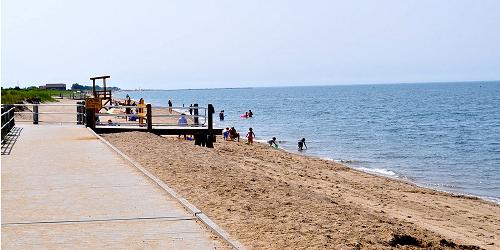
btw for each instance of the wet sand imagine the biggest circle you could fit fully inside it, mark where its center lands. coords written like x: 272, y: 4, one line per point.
x: 273, y: 199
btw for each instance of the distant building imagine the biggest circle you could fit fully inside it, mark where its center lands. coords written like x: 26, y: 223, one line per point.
x: 54, y: 86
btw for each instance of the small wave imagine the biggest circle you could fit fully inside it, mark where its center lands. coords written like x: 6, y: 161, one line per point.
x: 490, y: 198
x: 378, y: 171
x: 265, y: 141
x: 329, y: 159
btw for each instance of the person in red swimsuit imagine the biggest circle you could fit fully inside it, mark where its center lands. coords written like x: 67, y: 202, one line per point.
x: 250, y: 136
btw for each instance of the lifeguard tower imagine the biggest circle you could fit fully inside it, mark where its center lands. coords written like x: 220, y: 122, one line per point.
x: 103, y: 95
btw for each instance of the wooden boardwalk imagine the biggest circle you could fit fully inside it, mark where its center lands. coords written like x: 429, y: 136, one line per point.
x: 62, y: 188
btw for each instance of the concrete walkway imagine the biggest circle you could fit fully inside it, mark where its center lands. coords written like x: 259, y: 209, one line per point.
x: 63, y: 188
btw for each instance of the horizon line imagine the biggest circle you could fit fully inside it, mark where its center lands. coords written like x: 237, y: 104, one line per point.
x: 317, y: 85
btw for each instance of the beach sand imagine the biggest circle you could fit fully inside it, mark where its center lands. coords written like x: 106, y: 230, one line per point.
x: 273, y: 199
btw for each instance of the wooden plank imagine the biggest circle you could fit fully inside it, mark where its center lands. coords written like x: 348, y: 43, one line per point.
x: 174, y: 130
x: 99, y: 77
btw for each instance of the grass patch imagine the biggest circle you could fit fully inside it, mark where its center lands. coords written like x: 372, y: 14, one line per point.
x: 16, y: 95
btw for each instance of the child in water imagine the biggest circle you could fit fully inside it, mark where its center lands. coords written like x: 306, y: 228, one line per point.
x: 301, y: 144
x: 250, y: 136
x: 273, y: 141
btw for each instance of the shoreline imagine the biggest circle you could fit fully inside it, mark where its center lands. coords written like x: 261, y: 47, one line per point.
x: 269, y: 198
x: 398, y: 178
x: 162, y: 110
x: 412, y: 182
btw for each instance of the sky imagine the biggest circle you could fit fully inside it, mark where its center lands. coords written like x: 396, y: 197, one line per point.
x: 205, y: 44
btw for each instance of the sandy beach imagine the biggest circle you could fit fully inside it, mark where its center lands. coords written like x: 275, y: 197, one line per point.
x: 273, y: 199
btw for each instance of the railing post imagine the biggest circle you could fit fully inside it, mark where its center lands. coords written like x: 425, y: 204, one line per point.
x: 195, y: 109
x: 149, y: 117
x: 35, y: 113
x: 210, y: 136
x: 79, y: 112
x: 90, y: 118
x: 12, y: 114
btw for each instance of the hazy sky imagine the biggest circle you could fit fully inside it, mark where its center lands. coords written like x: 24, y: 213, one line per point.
x: 193, y: 44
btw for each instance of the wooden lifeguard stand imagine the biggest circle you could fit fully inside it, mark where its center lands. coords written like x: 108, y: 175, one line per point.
x: 103, y: 95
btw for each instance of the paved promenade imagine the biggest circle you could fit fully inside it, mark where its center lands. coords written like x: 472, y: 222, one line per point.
x: 62, y: 188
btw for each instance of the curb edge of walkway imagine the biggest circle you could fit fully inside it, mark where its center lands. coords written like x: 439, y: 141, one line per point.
x: 187, y: 205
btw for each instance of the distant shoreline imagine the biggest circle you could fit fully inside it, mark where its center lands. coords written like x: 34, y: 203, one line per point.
x: 320, y: 85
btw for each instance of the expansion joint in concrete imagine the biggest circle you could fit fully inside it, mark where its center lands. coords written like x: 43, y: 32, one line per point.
x: 170, y: 218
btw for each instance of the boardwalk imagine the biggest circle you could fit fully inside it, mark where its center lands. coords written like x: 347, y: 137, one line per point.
x: 64, y: 188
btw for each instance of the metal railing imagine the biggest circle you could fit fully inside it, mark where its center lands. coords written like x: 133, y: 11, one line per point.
x: 37, y: 115
x: 8, y: 121
x: 75, y: 95
x: 132, y: 114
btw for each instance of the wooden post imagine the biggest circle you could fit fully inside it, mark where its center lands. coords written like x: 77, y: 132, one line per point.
x: 149, y: 116
x: 210, y: 136
x: 93, y: 88
x: 104, y: 87
x: 78, y: 121
x: 35, y: 113
x: 195, y: 109
x: 79, y: 113
x: 90, y: 118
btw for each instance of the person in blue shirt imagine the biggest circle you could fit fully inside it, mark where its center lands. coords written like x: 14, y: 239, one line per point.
x: 226, y: 134
x: 182, y: 122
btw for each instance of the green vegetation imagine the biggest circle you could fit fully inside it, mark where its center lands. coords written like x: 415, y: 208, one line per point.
x: 77, y: 86
x: 31, y: 94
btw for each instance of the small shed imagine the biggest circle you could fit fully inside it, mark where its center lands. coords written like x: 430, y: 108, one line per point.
x: 54, y: 86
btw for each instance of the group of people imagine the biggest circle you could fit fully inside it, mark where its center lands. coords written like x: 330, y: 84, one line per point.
x: 247, y: 114
x: 300, y: 144
x: 230, y: 134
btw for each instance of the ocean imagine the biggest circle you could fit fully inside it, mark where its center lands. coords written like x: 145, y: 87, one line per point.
x: 444, y: 136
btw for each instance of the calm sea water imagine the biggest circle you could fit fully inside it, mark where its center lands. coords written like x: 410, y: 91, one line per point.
x: 444, y: 136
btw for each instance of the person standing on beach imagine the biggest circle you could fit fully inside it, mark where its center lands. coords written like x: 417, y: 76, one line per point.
x: 190, y: 109
x: 250, y: 136
x: 169, y: 106
x: 128, y: 103
x: 226, y: 134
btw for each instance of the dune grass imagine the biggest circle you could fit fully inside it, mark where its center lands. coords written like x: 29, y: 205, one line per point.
x: 11, y: 96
